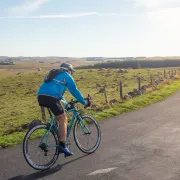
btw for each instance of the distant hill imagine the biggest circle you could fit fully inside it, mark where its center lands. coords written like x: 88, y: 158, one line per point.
x: 6, y: 59
x: 33, y: 59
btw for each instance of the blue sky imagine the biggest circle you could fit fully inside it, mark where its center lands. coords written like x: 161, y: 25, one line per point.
x: 80, y: 28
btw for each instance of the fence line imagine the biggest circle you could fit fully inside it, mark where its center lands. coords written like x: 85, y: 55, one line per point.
x: 141, y: 89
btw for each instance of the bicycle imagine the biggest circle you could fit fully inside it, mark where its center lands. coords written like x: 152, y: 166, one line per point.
x: 46, y: 137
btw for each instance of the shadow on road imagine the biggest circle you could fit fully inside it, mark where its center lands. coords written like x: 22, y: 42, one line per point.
x: 41, y: 174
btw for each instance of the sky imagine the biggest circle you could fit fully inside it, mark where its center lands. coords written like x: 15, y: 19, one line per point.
x: 81, y: 28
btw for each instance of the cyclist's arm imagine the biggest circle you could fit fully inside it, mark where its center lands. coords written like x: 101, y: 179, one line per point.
x: 63, y: 98
x: 71, y: 85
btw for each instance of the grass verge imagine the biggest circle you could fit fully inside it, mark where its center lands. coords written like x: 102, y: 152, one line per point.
x: 162, y: 92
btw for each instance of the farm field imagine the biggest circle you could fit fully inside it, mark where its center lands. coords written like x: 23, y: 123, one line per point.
x: 18, y: 100
x: 28, y: 67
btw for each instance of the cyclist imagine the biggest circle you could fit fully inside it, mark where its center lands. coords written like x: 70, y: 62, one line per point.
x: 52, y: 91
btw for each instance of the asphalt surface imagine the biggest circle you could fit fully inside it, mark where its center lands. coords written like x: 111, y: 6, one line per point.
x: 142, y: 145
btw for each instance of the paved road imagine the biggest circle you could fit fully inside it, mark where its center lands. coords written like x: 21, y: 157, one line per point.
x: 142, y: 145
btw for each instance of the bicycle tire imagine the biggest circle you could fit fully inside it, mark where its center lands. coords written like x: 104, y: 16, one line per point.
x: 25, y: 148
x: 77, y: 141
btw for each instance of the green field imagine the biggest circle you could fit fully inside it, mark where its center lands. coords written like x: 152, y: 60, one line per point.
x: 18, y: 100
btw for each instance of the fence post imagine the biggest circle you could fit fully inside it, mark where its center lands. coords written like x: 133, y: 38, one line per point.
x: 169, y: 74
x: 121, y: 92
x: 43, y: 114
x: 105, y: 94
x: 164, y: 74
x: 151, y: 80
x: 158, y: 77
x: 139, y: 83
x: 175, y: 72
x: 172, y: 73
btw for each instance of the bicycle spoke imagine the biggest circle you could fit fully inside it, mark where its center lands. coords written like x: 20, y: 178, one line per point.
x: 32, y: 150
x: 48, y: 154
x: 51, y: 153
x: 39, y: 157
x: 88, y: 143
x: 44, y: 157
x: 92, y: 138
x: 34, y: 144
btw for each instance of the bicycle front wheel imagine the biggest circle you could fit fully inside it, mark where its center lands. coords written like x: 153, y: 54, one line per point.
x: 87, y: 134
x: 40, y: 147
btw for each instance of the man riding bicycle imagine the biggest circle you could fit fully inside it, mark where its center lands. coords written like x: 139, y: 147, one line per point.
x: 52, y: 91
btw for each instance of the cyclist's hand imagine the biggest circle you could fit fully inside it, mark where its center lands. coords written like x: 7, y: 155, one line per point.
x: 88, y: 102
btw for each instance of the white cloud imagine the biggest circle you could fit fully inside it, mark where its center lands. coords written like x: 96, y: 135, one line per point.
x: 147, y: 3
x: 27, y: 6
x: 71, y: 15
x: 156, y: 4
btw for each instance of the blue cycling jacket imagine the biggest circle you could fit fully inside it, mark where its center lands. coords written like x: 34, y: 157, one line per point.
x: 57, y: 87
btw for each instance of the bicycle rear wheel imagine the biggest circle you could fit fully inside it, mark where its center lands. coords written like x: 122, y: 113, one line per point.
x: 87, y: 134
x: 40, y: 147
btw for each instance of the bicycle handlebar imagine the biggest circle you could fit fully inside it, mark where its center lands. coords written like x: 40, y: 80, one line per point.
x: 74, y: 102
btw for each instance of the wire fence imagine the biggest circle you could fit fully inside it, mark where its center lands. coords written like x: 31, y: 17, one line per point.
x: 143, y: 84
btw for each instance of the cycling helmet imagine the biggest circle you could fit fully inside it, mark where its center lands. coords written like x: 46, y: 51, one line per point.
x: 67, y: 67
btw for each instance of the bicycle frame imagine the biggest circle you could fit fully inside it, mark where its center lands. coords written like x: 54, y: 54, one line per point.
x: 76, y: 116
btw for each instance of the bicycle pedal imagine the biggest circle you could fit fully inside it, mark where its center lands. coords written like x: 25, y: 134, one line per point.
x: 67, y: 155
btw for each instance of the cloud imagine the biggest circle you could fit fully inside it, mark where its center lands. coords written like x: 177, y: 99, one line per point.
x: 68, y: 16
x: 156, y: 4
x: 147, y: 3
x: 28, y: 6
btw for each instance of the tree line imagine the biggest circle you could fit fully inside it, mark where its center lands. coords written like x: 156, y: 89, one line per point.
x: 134, y: 64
